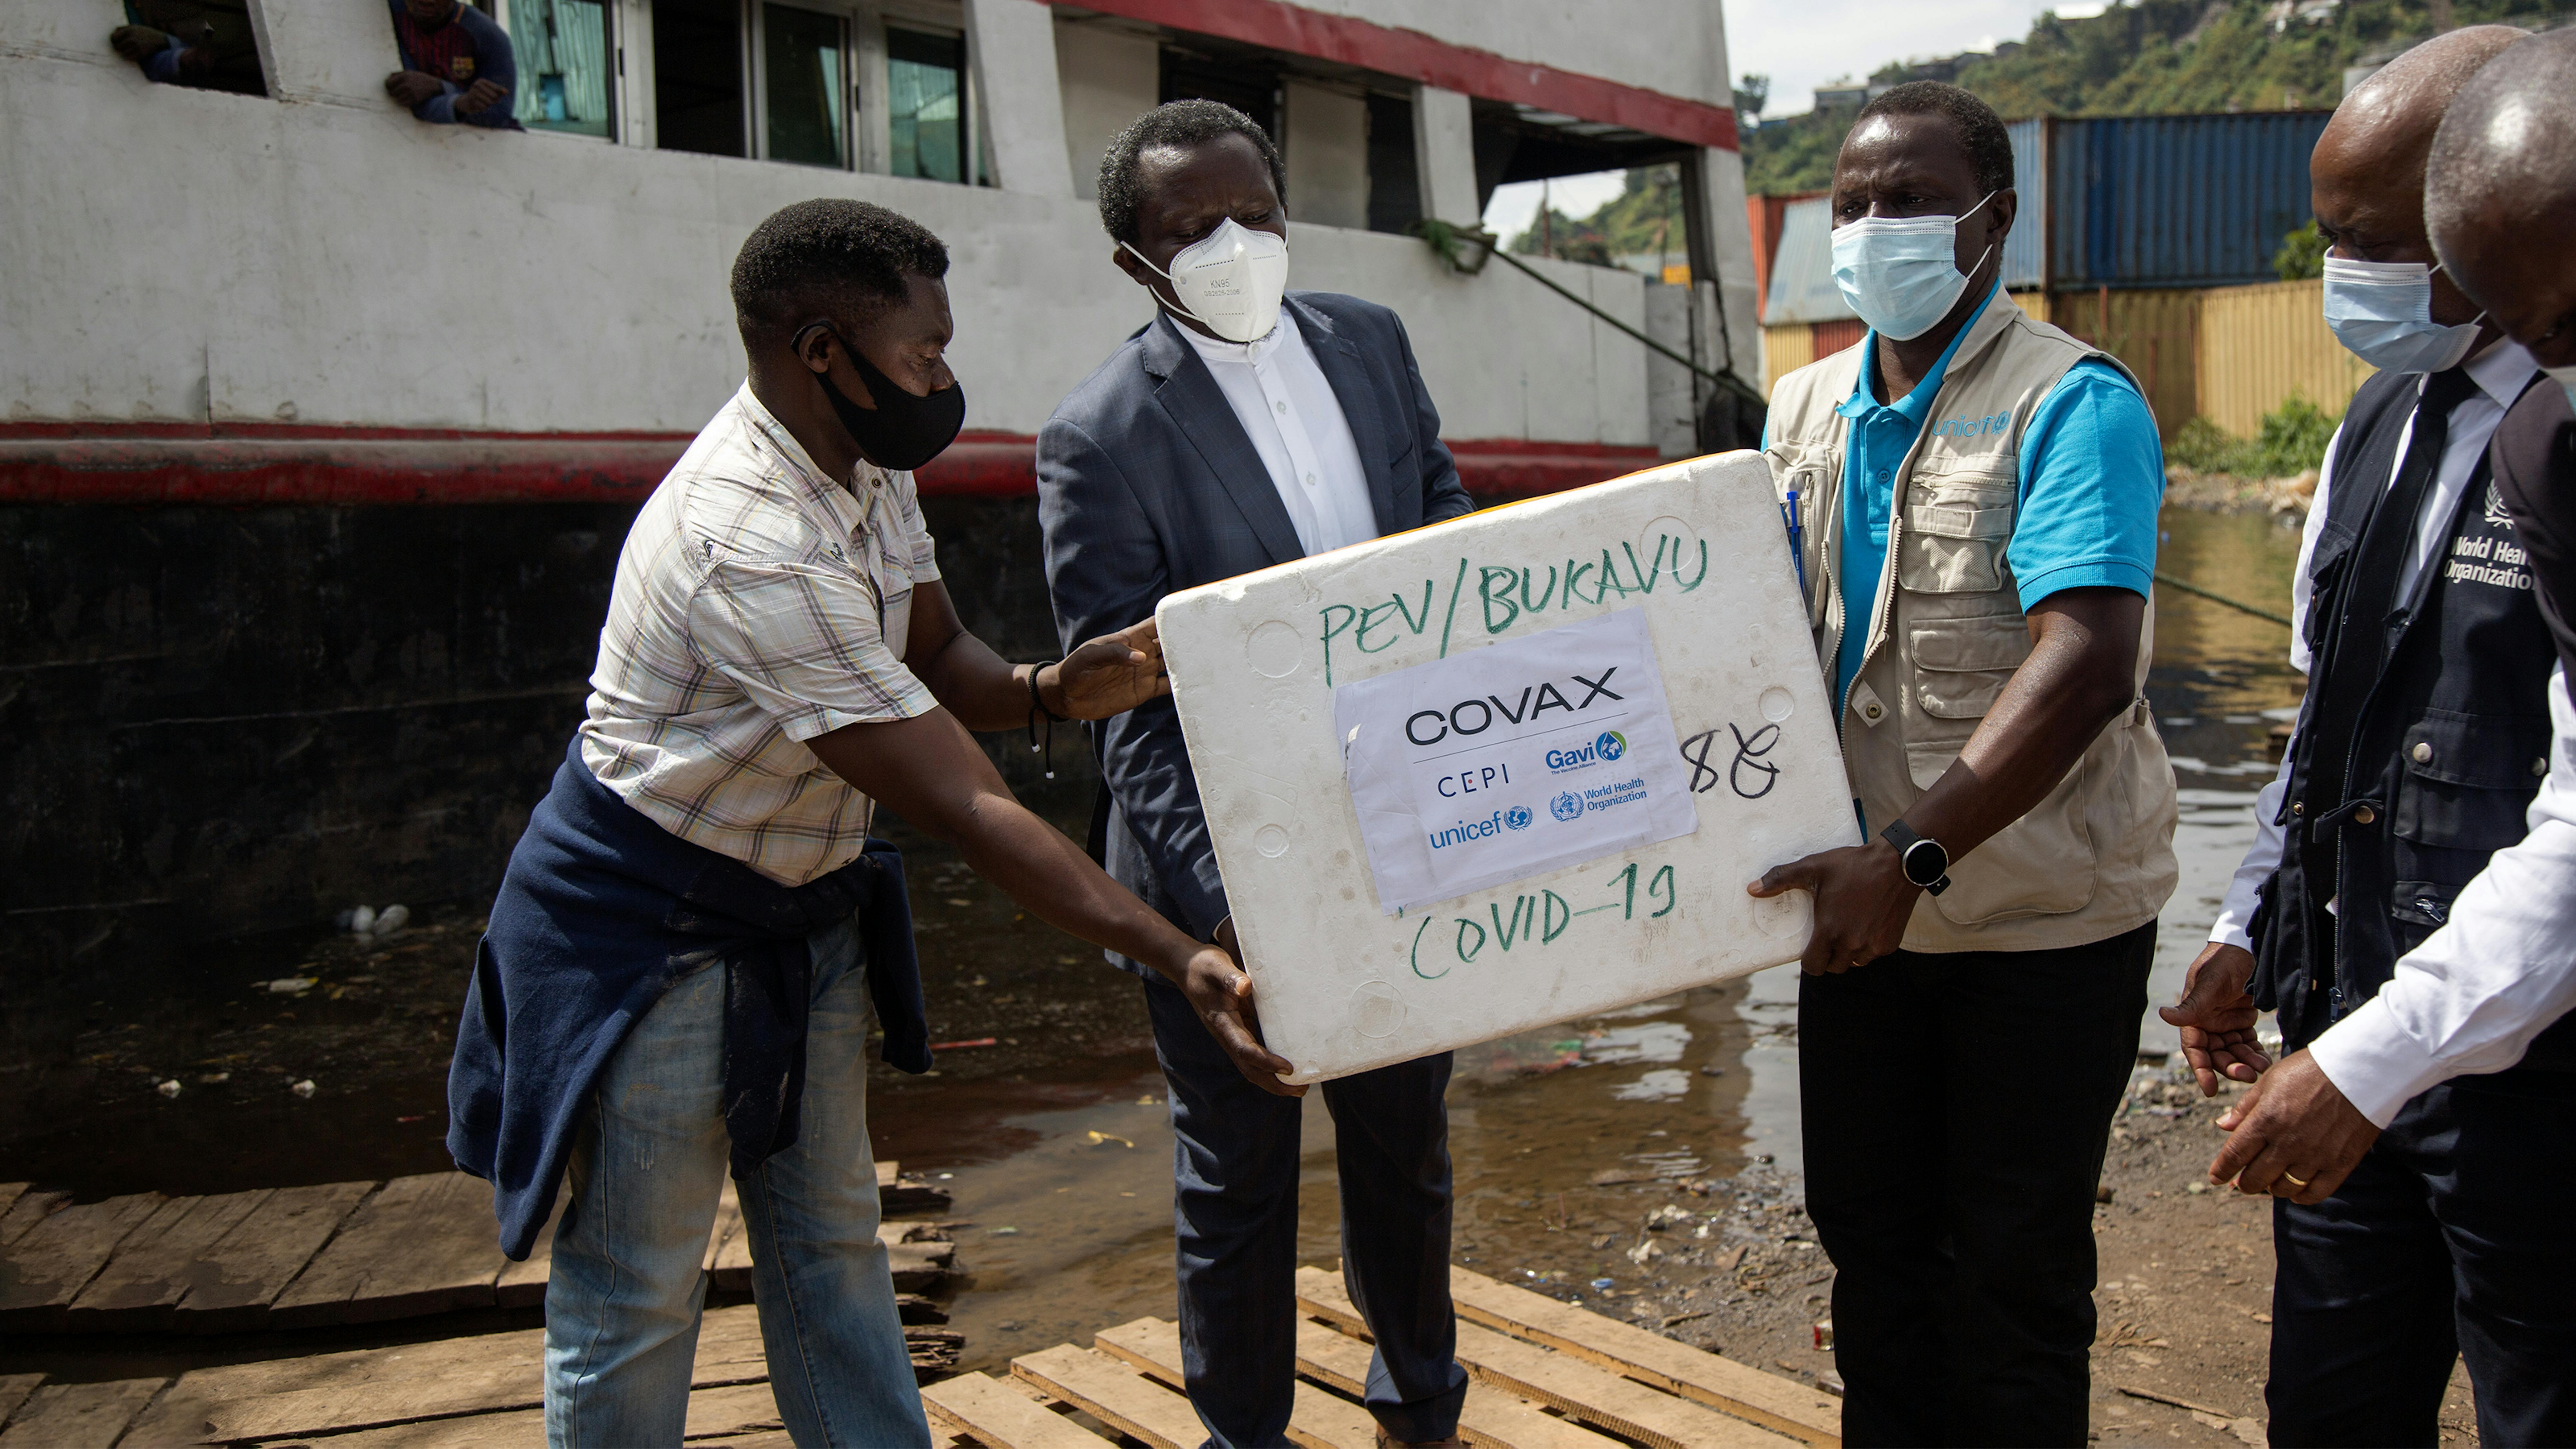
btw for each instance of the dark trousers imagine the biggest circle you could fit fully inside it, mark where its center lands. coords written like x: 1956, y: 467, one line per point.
x: 1235, y: 1169
x: 2453, y: 1239
x: 1956, y: 1108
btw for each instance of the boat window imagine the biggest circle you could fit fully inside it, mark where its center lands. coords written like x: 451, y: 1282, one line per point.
x: 699, y: 88
x: 565, y: 64
x: 805, y: 83
x: 926, y: 105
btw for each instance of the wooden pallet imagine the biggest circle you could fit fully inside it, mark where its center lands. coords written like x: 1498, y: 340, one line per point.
x: 346, y: 1252
x: 1552, y: 1380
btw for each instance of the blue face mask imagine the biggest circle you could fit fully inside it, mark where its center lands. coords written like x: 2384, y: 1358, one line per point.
x: 1901, y: 273
x: 2382, y: 312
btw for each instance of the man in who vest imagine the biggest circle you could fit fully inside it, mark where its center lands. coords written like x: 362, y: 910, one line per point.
x: 1979, y: 495
x: 2414, y: 926
x: 2425, y: 1141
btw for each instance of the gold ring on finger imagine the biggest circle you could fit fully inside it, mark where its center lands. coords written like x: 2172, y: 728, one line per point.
x: 2294, y: 1179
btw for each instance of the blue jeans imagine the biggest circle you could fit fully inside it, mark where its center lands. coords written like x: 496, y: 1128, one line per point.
x: 627, y: 1278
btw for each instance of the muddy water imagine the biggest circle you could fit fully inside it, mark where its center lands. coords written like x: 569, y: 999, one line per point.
x: 1054, y: 1139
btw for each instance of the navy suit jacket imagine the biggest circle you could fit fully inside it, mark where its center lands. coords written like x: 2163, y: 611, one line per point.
x: 1148, y: 484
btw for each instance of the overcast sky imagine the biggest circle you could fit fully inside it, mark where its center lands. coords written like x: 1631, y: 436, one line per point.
x: 1801, y: 46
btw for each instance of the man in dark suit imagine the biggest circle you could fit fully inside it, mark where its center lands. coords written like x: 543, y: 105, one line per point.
x: 1246, y: 427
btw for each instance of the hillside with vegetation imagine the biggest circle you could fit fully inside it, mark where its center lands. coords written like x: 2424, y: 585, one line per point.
x: 2152, y: 57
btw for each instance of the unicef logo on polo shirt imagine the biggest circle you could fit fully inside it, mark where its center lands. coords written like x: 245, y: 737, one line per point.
x: 1611, y: 745
x: 1567, y: 806
x: 1517, y: 818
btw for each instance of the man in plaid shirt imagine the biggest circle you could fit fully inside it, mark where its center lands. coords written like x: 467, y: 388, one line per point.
x: 674, y: 969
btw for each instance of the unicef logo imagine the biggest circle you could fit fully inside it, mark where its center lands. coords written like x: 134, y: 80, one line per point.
x: 1567, y: 806
x: 1518, y: 817
x: 1611, y: 745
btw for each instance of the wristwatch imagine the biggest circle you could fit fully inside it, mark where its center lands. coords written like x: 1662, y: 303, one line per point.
x: 1925, y: 862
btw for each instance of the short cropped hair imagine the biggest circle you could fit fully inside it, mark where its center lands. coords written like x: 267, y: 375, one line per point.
x: 1979, y: 129
x: 1180, y: 124
x: 829, y: 255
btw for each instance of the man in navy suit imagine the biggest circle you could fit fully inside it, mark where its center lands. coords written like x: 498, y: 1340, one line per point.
x: 1242, y: 428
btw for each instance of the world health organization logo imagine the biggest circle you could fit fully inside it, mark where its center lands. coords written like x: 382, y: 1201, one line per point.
x: 1612, y: 744
x: 1568, y: 806
x: 1518, y: 817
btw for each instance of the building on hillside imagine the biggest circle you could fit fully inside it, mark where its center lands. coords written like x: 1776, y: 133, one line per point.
x: 323, y: 426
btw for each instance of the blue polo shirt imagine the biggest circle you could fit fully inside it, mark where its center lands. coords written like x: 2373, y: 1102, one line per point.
x: 2092, y: 479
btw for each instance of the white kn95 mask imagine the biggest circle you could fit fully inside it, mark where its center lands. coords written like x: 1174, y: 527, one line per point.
x: 1231, y: 280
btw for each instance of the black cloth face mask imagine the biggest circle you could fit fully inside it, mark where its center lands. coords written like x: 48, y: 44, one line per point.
x: 901, y: 432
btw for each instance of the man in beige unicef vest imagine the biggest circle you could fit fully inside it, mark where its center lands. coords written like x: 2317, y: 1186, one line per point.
x: 1977, y: 495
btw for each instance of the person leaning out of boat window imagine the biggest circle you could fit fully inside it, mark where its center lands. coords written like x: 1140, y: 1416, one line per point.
x: 205, y: 44
x: 1979, y: 496
x: 457, y: 65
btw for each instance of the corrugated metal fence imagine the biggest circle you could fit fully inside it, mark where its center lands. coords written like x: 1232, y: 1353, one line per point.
x: 2261, y: 344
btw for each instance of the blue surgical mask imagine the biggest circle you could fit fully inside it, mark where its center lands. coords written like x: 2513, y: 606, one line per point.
x: 1901, y: 273
x: 2382, y: 312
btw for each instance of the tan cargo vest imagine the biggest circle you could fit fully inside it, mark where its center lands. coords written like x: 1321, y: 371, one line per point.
x: 1946, y: 631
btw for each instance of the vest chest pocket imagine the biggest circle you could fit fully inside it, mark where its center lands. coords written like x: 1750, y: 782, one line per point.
x: 1961, y: 665
x: 1956, y: 527
x: 2464, y: 784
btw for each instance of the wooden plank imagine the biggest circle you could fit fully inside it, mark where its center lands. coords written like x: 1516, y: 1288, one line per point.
x: 1622, y: 1406
x: 1780, y: 1404
x: 14, y: 1389
x: 422, y: 1244
x: 732, y: 1409
x: 999, y: 1416
x: 384, y: 1387
x: 46, y: 1268
x: 1316, y: 1419
x: 140, y: 1288
x: 78, y: 1416
x: 1113, y: 1393
x: 254, y: 1262
x: 516, y: 1429
x: 899, y: 1196
x: 729, y: 1348
x: 1490, y: 1417
x: 26, y: 1209
x: 464, y: 1376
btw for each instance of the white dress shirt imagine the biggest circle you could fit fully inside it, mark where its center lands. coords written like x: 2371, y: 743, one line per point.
x: 2472, y: 997
x: 2501, y: 372
x: 1296, y: 424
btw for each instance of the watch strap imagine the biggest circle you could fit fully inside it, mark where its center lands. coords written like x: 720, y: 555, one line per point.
x: 1904, y: 837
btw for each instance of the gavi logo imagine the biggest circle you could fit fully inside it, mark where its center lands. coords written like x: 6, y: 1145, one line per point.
x: 1607, y: 746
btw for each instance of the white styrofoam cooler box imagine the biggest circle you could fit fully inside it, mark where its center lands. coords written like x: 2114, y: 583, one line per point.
x: 1343, y: 985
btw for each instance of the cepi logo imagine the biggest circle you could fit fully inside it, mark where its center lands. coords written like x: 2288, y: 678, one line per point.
x: 1567, y: 806
x: 1516, y: 818
x: 1609, y: 745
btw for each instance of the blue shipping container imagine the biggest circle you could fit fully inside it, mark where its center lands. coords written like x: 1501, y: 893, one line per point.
x: 2025, y: 245
x: 2174, y: 201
